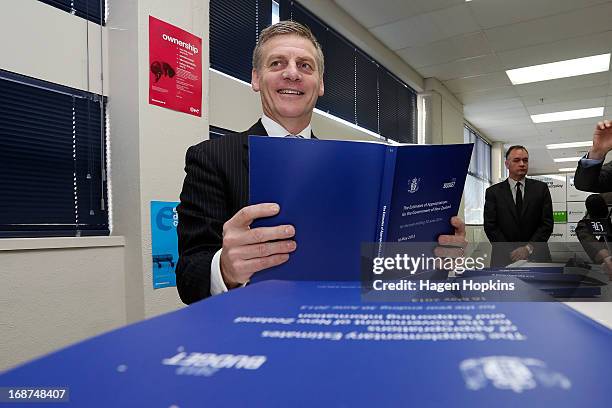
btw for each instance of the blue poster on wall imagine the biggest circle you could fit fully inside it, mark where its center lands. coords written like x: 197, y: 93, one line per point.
x: 164, y: 242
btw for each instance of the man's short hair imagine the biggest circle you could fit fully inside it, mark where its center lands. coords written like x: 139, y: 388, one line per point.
x: 287, y: 27
x: 515, y: 147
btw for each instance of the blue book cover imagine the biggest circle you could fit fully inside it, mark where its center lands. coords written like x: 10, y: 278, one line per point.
x: 341, y: 194
x: 316, y: 344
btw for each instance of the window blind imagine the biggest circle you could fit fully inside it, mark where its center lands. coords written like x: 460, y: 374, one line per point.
x: 52, y: 160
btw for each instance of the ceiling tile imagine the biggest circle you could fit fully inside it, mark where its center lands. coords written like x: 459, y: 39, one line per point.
x: 479, y: 82
x: 492, y: 13
x: 563, y: 95
x: 494, y: 105
x: 410, y: 32
x: 549, y: 29
x: 427, y: 28
x: 487, y: 121
x: 484, y: 64
x: 451, y: 49
x: 564, y: 84
x: 385, y: 11
x: 426, y: 6
x: 567, y: 133
x: 455, y: 20
x: 507, y: 133
x: 487, y: 95
x: 578, y: 47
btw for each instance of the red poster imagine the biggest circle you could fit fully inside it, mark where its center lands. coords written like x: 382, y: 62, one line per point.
x: 175, y: 68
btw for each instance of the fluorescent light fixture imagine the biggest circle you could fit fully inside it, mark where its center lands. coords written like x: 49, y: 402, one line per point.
x: 569, y: 145
x: 560, y: 69
x: 567, y: 169
x: 567, y: 159
x: 568, y: 115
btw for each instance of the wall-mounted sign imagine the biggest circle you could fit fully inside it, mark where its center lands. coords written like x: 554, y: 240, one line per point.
x: 164, y: 243
x: 175, y: 68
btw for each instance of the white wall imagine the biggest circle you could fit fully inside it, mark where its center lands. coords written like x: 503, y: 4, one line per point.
x: 148, y: 142
x: 165, y: 136
x: 44, y: 42
x: 53, y: 297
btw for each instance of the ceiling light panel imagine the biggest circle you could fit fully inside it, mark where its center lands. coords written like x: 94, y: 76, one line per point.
x: 560, y: 69
x: 569, y: 145
x: 567, y: 159
x: 568, y: 115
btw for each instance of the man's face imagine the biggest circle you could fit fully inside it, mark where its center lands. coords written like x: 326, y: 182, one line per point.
x: 517, y: 163
x: 289, y: 80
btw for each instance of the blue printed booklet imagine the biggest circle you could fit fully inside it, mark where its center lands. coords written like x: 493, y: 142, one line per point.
x: 316, y: 344
x: 340, y: 194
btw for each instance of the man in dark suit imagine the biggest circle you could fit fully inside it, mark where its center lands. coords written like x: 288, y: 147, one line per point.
x: 592, y: 174
x: 518, y: 214
x: 217, y: 248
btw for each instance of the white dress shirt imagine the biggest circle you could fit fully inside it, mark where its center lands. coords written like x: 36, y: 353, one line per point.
x: 513, y: 188
x: 273, y: 129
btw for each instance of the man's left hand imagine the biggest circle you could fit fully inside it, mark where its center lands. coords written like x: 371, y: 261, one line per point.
x: 453, y: 245
x: 519, y: 254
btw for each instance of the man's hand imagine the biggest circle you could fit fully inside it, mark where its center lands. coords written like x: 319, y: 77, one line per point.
x: 606, y: 266
x: 602, y: 140
x: 246, y: 251
x: 453, y: 246
x: 519, y: 253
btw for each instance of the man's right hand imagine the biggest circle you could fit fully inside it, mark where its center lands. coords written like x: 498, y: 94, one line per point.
x: 246, y: 251
x: 602, y: 140
x: 606, y: 266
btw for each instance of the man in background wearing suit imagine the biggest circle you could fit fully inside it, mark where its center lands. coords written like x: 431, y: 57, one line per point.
x: 518, y: 214
x: 592, y: 174
x: 217, y: 248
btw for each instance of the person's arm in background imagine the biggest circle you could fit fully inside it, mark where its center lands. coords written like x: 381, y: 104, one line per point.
x: 596, y: 250
x: 591, y: 174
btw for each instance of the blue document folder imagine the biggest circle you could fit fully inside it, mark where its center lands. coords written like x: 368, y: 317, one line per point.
x: 341, y: 194
x: 316, y: 344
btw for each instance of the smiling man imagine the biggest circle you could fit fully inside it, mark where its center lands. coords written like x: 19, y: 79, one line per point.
x: 518, y: 218
x: 217, y: 248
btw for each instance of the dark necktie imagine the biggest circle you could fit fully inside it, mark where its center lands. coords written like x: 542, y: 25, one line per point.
x: 519, y: 198
x: 295, y: 136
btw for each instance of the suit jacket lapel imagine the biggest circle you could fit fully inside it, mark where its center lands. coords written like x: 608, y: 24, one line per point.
x: 526, y: 196
x: 256, y: 130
